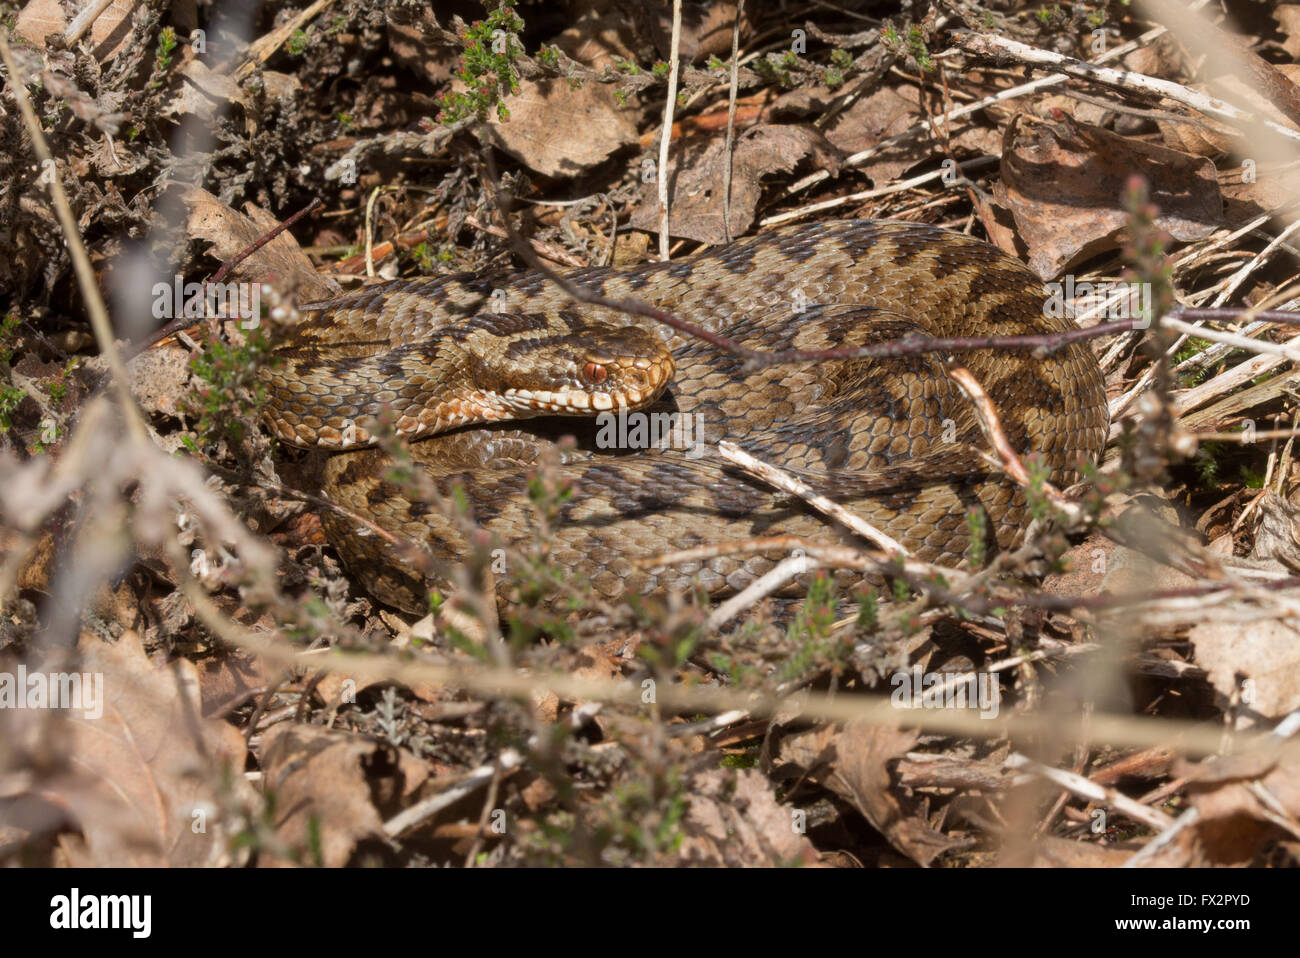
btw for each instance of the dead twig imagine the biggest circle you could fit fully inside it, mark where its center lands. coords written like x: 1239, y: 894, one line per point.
x: 995, y: 47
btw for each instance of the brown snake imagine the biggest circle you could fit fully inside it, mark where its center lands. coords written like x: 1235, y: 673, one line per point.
x: 891, y: 439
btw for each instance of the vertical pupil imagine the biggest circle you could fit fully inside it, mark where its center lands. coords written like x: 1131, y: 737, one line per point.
x: 594, y: 372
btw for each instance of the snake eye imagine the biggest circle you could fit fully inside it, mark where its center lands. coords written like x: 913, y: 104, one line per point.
x: 594, y: 373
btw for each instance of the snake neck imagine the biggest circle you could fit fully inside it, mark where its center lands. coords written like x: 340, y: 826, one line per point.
x: 337, y: 403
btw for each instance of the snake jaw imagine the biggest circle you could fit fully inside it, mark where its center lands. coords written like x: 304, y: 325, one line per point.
x: 628, y: 383
x: 522, y: 367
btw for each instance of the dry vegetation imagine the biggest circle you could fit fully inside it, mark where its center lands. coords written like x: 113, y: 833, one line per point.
x: 258, y: 707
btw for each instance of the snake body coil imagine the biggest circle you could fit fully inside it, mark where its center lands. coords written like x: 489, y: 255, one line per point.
x: 891, y: 439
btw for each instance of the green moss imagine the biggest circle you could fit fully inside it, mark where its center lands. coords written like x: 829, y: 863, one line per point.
x: 296, y: 45
x: 163, y: 57
x: 233, y: 392
x: 491, y: 47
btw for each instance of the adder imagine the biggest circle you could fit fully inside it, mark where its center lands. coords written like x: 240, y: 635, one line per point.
x: 483, y: 376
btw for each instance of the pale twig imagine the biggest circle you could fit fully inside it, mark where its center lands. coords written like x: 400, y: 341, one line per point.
x: 772, y: 580
x: 83, y: 20
x: 370, y: 232
x: 489, y: 804
x: 1167, y: 835
x: 988, y: 45
x: 1163, y: 116
x: 829, y: 555
x: 1041, y: 655
x: 872, y: 194
x: 796, y: 487
x: 1122, y: 402
x: 673, y: 67
x: 1245, y: 436
x: 1233, y: 339
x: 1188, y: 261
x: 1090, y: 790
x: 991, y: 426
x: 1193, y: 738
x: 1229, y: 379
x: 731, y: 121
x: 264, y: 47
x: 1283, y: 731
x: 1258, y: 260
x: 708, y: 725
x: 1208, y: 42
x: 410, y: 817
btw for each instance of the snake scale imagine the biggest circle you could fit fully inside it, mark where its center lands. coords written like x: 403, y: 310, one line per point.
x: 468, y: 365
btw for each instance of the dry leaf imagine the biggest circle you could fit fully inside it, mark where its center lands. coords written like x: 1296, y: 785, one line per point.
x: 706, y: 27
x: 1053, y: 852
x: 1210, y: 142
x: 228, y: 676
x: 599, y: 39
x: 1065, y: 184
x: 108, y: 33
x: 414, y: 42
x: 325, y: 781
x: 697, y: 173
x: 203, y: 92
x: 1278, y: 534
x: 559, y: 131
x: 1287, y: 16
x: 146, y: 773
x: 890, y: 111
x: 229, y: 232
x: 1245, y: 802
x: 1259, y: 662
x: 735, y: 820
x: 853, y: 763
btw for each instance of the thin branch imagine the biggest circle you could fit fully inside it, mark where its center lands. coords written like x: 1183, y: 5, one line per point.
x: 83, y: 22
x: 261, y: 241
x: 731, y: 121
x: 1090, y: 790
x: 410, y: 817
x: 788, y: 483
x: 674, y: 66
x: 1014, y: 93
x: 99, y: 321
x: 991, y: 426
x: 994, y: 47
x: 1191, y: 738
x: 775, y: 578
x: 182, y: 323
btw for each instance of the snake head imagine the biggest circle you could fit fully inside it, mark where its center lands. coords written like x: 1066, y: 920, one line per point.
x: 582, y: 370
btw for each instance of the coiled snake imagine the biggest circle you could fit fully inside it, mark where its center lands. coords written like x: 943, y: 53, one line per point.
x: 456, y: 359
